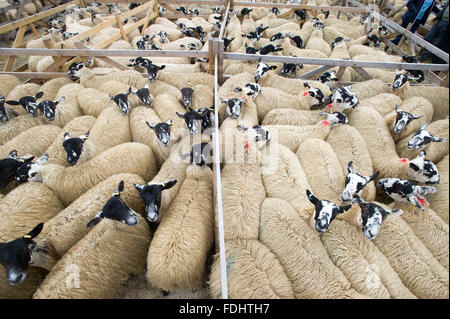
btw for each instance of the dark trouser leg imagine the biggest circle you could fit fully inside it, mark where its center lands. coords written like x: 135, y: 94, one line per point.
x: 413, y: 29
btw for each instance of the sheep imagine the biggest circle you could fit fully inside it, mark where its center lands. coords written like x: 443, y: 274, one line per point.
x: 93, y: 102
x: 166, y: 272
x: 429, y: 228
x: 16, y: 125
x: 291, y: 50
x: 182, y: 43
x: 283, y: 177
x: 316, y: 42
x: 439, y: 200
x: 437, y: 95
x: 370, y: 88
x: 142, y: 133
x: 173, y: 33
x: 331, y: 34
x: 355, y: 50
x: 158, y: 87
x: 207, y: 27
x: 286, y: 116
x: 22, y: 209
x: 19, y: 91
x: 383, y: 103
x: 8, y: 82
x: 300, y: 252
x: 68, y: 108
x: 166, y: 107
x: 190, y: 79
x: 114, y: 88
x: 89, y: 80
x: 349, y: 30
x: 70, y: 182
x: 34, y: 141
x: 51, y: 88
x: 349, y: 146
x: 419, y: 271
x: 78, y: 126
x: 435, y: 151
x: 122, y: 259
x: 65, y: 229
x: 292, y: 136
x: 421, y: 111
x: 254, y: 272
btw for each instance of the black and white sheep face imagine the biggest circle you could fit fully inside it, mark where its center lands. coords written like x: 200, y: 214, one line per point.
x: 250, y: 50
x: 328, y: 78
x: 183, y: 10
x: 317, y: 23
x: 275, y: 10
x: 151, y: 195
x: 335, y: 118
x: 409, y: 58
x: 270, y: 48
x: 401, y: 78
x: 422, y: 138
x: 121, y: 100
x: 372, y: 40
x: 216, y: 9
x: 260, y: 29
x: 162, y: 36
x: 161, y: 9
x: 141, y: 43
x: 162, y: 131
x: 74, y: 147
x: 253, y: 36
x: 257, y: 133
x: 207, y: 116
x: 193, y: 120
x: 325, y: 212
x: 383, y: 30
x: 202, y: 35
x: 344, y: 99
x: 153, y: 71
x: 316, y: 95
x: 245, y: 11
x: 22, y: 172
x: 116, y: 209
x: 200, y: 155
x: 403, y: 118
x: 15, y: 255
x: 278, y: 36
x: 3, y: 113
x: 48, y: 108
x: 234, y: 107
x: 405, y: 191
x: 9, y: 167
x: 187, y: 93
x: 301, y: 14
x: 28, y: 103
x: 262, y: 69
x: 227, y: 42
x: 297, y: 40
x: 140, y: 61
x: 34, y: 174
x: 143, y: 94
x: 74, y: 70
x: 250, y: 89
x: 424, y: 171
x: 371, y: 216
x: 355, y: 183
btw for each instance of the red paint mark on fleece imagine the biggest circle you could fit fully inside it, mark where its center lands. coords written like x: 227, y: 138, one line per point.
x: 325, y: 123
x: 305, y: 93
x: 422, y: 201
x: 329, y: 106
x: 247, y: 146
x: 403, y: 160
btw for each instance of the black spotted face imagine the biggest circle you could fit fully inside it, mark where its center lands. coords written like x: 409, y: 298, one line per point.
x: 193, y: 120
x: 151, y: 195
x: 22, y: 171
x: 152, y: 71
x: 262, y: 69
x: 399, y: 80
x: 316, y: 96
x: 336, y: 41
x: 344, y: 98
x: 298, y: 41
x: 140, y: 61
x: 144, y: 95
x: 16, y: 255
x: 275, y: 10
x: 28, y: 103
x: 328, y: 77
x: 162, y: 36
x: 424, y: 170
x: 121, y: 101
x: 250, y: 50
x: 48, y: 108
x: 355, y: 183
x: 234, y: 107
x: 162, y: 131
x: 226, y: 43
x: 301, y: 14
x: 9, y: 166
x: 3, y: 114
x: 422, y: 138
x: 187, y: 93
x: 74, y: 70
x: 116, y: 209
x: 403, y: 118
x: 74, y: 147
x: 325, y: 212
x: 409, y: 58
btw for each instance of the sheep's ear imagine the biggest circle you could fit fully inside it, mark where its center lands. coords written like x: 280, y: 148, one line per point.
x: 12, y: 102
x: 397, y: 72
x: 138, y: 187
x: 27, y: 160
x: 146, y: 85
x: 397, y: 108
x: 120, y: 187
x: 395, y: 212
x: 272, y: 67
x: 61, y: 99
x: 162, y: 67
x: 374, y: 176
x: 111, y: 97
x: 43, y: 159
x: 180, y: 115
x: 242, y: 128
x: 39, y: 95
x: 12, y: 154
x: 169, y: 122
x: 66, y: 136
x: 169, y: 184
x: 306, y: 85
x: 150, y: 125
x: 343, y: 209
x: 94, y: 221
x: 34, y: 232
x: 350, y: 167
x: 84, y: 136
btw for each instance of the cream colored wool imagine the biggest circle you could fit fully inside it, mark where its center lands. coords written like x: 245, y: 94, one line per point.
x: 286, y: 116
x: 206, y: 26
x: 419, y: 271
x: 369, y: 88
x: 291, y: 27
x: 306, y: 31
x: 301, y: 253
x: 348, y: 145
x: 166, y: 107
x: 316, y: 42
x: 111, y: 128
x: 175, y: 45
x: 89, y: 80
x: 7, y: 83
x: 284, y: 178
x: 350, y: 31
x: 77, y: 127
x: 249, y: 25
x: 355, y: 50
x: 141, y: 133
x: 94, y: 102
x: 69, y: 226
x: 429, y: 228
x: 158, y: 87
x: 358, y: 41
x: 436, y: 151
x: 19, y: 91
x: 70, y: 182
x: 378, y: 74
x: 237, y: 68
x: 330, y: 34
x: 21, y: 210
x: 233, y: 26
x: 289, y: 49
x: 68, y: 109
x: 44, y: 63
x: 186, y: 21
x: 322, y: 168
x: 254, y: 272
x: 372, y: 127
x: 241, y: 203
x: 292, y: 136
x: 258, y: 13
x: 33, y: 141
x: 18, y: 124
x: 165, y: 22
x: 203, y: 96
x: 162, y: 60
x: 185, y: 80
x: 383, y: 103
x: 51, y: 88
x: 262, y: 42
x: 106, y: 257
x: 181, y: 68
x: 180, y: 246
x: 439, y: 200
x: 418, y: 106
x: 437, y: 95
x: 340, y: 52
x: 362, y: 262
x: 114, y: 88
x: 226, y: 90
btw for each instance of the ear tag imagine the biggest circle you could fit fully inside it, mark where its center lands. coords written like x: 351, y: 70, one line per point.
x: 116, y: 194
x: 27, y: 236
x: 305, y: 93
x: 21, y: 160
x: 163, y: 185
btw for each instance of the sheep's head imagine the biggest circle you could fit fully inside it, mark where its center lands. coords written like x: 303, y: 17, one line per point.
x: 355, y: 183
x: 290, y: 68
x: 151, y: 195
x: 262, y: 69
x: 35, y: 171
x: 424, y: 170
x: 234, y: 106
x: 116, y: 209
x: 193, y: 120
x: 143, y: 94
x: 325, y: 212
x: 22, y: 172
x: 328, y: 77
x: 28, y: 103
x: 403, y: 118
x: 422, y: 138
x: 121, y: 100
x: 74, y: 147
x: 316, y: 95
x: 187, y: 93
x: 335, y: 118
x: 9, y: 167
x: 3, y: 113
x: 344, y: 98
x: 371, y: 216
x: 15, y: 255
x: 153, y: 71
x: 401, y: 78
x: 250, y: 89
x: 48, y: 108
x: 162, y: 131
x: 257, y: 133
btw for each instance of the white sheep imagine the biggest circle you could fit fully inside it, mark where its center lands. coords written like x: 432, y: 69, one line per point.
x: 316, y: 42
x: 16, y: 125
x: 93, y: 102
x: 439, y: 200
